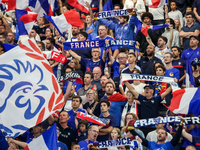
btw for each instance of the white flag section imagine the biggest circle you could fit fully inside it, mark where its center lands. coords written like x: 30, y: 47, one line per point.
x: 29, y: 92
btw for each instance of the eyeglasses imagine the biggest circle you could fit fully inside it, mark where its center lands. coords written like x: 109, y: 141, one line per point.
x: 90, y: 93
x: 121, y: 57
x: 101, y: 29
x: 95, y: 131
x: 95, y: 51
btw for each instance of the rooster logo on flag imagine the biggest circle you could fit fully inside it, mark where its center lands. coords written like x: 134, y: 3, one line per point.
x: 29, y: 92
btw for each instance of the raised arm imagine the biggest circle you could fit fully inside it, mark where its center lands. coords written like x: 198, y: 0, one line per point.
x: 128, y: 85
x: 169, y: 89
x: 177, y: 136
x: 74, y: 55
x: 8, y: 29
x: 187, y: 136
x: 69, y: 87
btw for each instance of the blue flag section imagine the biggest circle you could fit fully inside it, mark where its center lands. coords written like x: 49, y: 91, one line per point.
x: 107, y: 5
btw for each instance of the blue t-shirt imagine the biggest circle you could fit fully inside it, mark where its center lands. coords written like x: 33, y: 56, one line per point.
x: 102, y: 48
x: 90, y: 64
x: 115, y: 109
x: 84, y: 144
x: 154, y: 146
x: 82, y: 136
x: 71, y: 121
x: 112, y: 123
x: 3, y: 142
x: 190, y: 54
x: 92, y: 35
x: 62, y: 146
x: 173, y: 72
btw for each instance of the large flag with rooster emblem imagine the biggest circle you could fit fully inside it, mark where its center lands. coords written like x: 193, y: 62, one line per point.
x: 29, y: 92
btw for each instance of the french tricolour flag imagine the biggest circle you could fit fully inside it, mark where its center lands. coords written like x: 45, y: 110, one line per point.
x: 25, y: 21
x: 46, y: 141
x: 19, y: 4
x: 66, y: 21
x: 156, y: 3
x: 80, y: 4
x: 186, y: 101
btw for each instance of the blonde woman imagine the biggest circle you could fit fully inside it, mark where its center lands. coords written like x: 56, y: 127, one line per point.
x: 177, y: 25
x: 92, y: 106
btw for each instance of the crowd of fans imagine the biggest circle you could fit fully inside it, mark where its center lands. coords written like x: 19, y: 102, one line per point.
x: 163, y: 52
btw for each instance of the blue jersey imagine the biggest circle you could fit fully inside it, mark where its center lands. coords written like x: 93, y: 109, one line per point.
x: 179, y: 64
x: 154, y: 146
x: 62, y: 146
x: 84, y: 144
x: 102, y: 48
x: 90, y: 64
x: 71, y: 121
x: 190, y: 54
x: 173, y: 72
x: 92, y: 35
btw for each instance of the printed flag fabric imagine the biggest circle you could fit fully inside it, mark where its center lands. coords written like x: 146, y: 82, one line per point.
x: 25, y: 21
x: 29, y: 92
x: 46, y: 141
x: 80, y: 4
x: 156, y: 3
x: 107, y: 5
x: 186, y: 101
x: 66, y: 21
x: 144, y: 30
x: 18, y: 4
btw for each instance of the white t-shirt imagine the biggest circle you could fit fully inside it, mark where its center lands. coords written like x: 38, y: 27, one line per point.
x: 139, y: 88
x: 161, y: 52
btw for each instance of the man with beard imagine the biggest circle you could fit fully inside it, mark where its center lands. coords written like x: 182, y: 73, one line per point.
x: 75, y: 31
x: 170, y: 70
x: 93, y: 132
x: 11, y: 38
x: 103, y: 30
x: 161, y: 138
x: 193, y: 52
x: 179, y: 63
x: 146, y: 63
x: 50, y: 42
x: 161, y: 48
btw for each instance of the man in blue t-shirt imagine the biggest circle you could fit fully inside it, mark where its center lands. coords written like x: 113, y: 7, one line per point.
x: 89, y: 64
x: 103, y: 30
x: 170, y: 70
x: 179, y: 63
x: 104, y: 132
x: 193, y: 52
x: 93, y: 132
x: 76, y: 102
x: 161, y: 137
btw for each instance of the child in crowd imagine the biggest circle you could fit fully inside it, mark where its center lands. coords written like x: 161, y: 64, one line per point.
x: 174, y: 13
x: 114, y: 135
x: 82, y: 132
